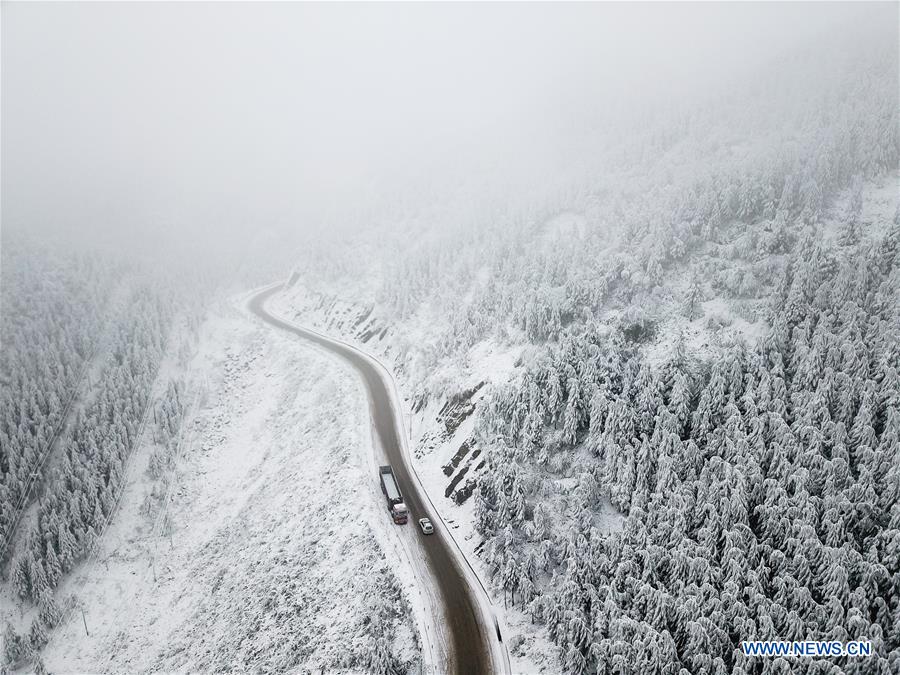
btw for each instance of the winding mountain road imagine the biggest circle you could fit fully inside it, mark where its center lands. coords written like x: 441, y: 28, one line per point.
x: 476, y: 644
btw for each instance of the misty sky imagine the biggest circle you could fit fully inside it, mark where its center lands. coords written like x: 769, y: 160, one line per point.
x: 126, y: 118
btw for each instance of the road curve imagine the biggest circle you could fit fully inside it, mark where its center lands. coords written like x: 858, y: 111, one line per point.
x: 471, y: 649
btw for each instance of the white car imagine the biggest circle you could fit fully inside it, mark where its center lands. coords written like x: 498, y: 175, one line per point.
x: 427, y: 527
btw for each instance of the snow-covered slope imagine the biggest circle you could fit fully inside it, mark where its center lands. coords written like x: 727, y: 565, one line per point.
x: 525, y: 344
x: 268, y: 559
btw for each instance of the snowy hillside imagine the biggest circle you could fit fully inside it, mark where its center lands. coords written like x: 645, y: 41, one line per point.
x: 413, y: 338
x: 214, y: 559
x: 654, y: 342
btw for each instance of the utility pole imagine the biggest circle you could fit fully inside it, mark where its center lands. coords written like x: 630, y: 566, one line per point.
x: 84, y: 620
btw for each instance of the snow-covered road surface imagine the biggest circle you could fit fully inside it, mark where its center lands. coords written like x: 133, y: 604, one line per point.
x: 475, y: 643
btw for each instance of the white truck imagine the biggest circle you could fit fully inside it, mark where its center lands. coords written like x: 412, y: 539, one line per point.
x: 391, y: 491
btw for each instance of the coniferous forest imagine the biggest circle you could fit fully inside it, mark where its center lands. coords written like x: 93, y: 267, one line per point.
x: 762, y: 490
x: 78, y: 366
x: 757, y: 477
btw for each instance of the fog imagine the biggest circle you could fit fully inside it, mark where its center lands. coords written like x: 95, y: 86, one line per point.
x: 203, y: 122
